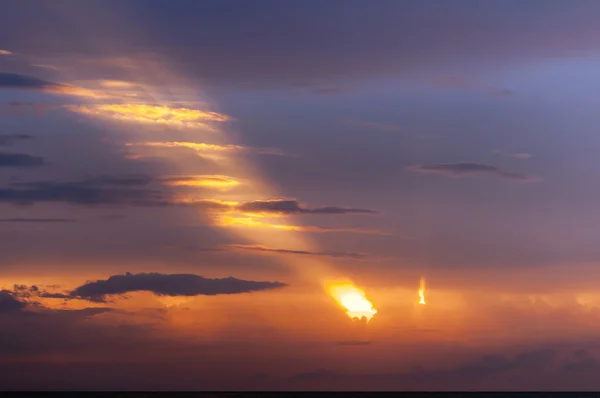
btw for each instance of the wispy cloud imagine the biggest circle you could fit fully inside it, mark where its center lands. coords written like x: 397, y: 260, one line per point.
x: 5, y: 52
x: 24, y: 82
x: 372, y: 125
x: 269, y: 250
x: 208, y: 150
x: 20, y: 160
x: 514, y: 155
x: 169, y: 285
x: 458, y: 170
x: 11, y: 139
x: 250, y: 222
x: 203, y: 181
x: 144, y: 113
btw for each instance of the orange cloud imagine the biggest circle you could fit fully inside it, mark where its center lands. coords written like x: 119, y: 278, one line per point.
x: 229, y: 221
x: 5, y: 52
x: 116, y: 84
x: 143, y: 113
x: 205, y: 149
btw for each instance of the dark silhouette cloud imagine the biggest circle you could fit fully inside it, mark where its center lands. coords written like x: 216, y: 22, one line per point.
x: 470, y: 169
x: 581, y: 360
x: 169, y: 285
x: 264, y: 249
x: 279, y: 206
x: 14, y: 80
x: 87, y: 192
x: 131, y: 190
x: 20, y: 160
x: 11, y: 139
x: 9, y: 303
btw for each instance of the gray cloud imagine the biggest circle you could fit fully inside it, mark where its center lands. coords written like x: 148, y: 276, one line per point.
x: 17, y: 81
x: 280, y: 206
x: 264, y: 249
x: 38, y: 220
x: 581, y: 360
x: 20, y: 160
x: 169, y: 285
x: 9, y: 303
x: 11, y: 139
x: 469, y: 169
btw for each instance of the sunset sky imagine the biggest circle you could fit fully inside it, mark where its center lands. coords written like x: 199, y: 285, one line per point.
x: 209, y: 194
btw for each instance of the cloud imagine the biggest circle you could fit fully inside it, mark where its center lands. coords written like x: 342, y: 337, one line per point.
x: 133, y: 191
x: 514, y: 155
x: 20, y: 160
x: 206, y: 181
x: 38, y: 220
x: 287, y: 207
x: 169, y: 285
x: 5, y: 52
x: 458, y: 170
x: 580, y: 360
x: 267, y: 250
x: 87, y: 192
x: 144, y: 113
x: 373, y: 125
x: 16, y: 81
x: 253, y: 223
x: 209, y: 150
x: 11, y: 139
x: 24, y: 82
x: 16, y: 107
x: 9, y: 303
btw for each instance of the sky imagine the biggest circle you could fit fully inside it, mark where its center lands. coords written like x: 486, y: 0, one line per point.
x: 309, y: 195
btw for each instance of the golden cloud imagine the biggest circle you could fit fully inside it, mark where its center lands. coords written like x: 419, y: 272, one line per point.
x: 204, y: 149
x: 116, y: 84
x: 143, y: 113
x: 205, y: 181
x: 250, y: 222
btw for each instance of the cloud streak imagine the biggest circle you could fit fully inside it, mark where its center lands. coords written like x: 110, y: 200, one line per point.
x: 458, y: 170
x: 269, y: 250
x: 20, y: 160
x: 169, y: 285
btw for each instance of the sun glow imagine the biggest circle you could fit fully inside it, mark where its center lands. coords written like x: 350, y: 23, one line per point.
x: 353, y: 300
x: 422, y: 292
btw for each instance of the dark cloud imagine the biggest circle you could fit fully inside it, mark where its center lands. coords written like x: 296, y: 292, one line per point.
x: 470, y: 169
x: 11, y: 139
x: 279, y: 206
x: 38, y: 220
x: 264, y: 249
x: 169, y: 285
x: 20, y: 160
x: 9, y: 303
x: 581, y: 360
x: 87, y: 192
x: 127, y: 191
x: 14, y: 80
